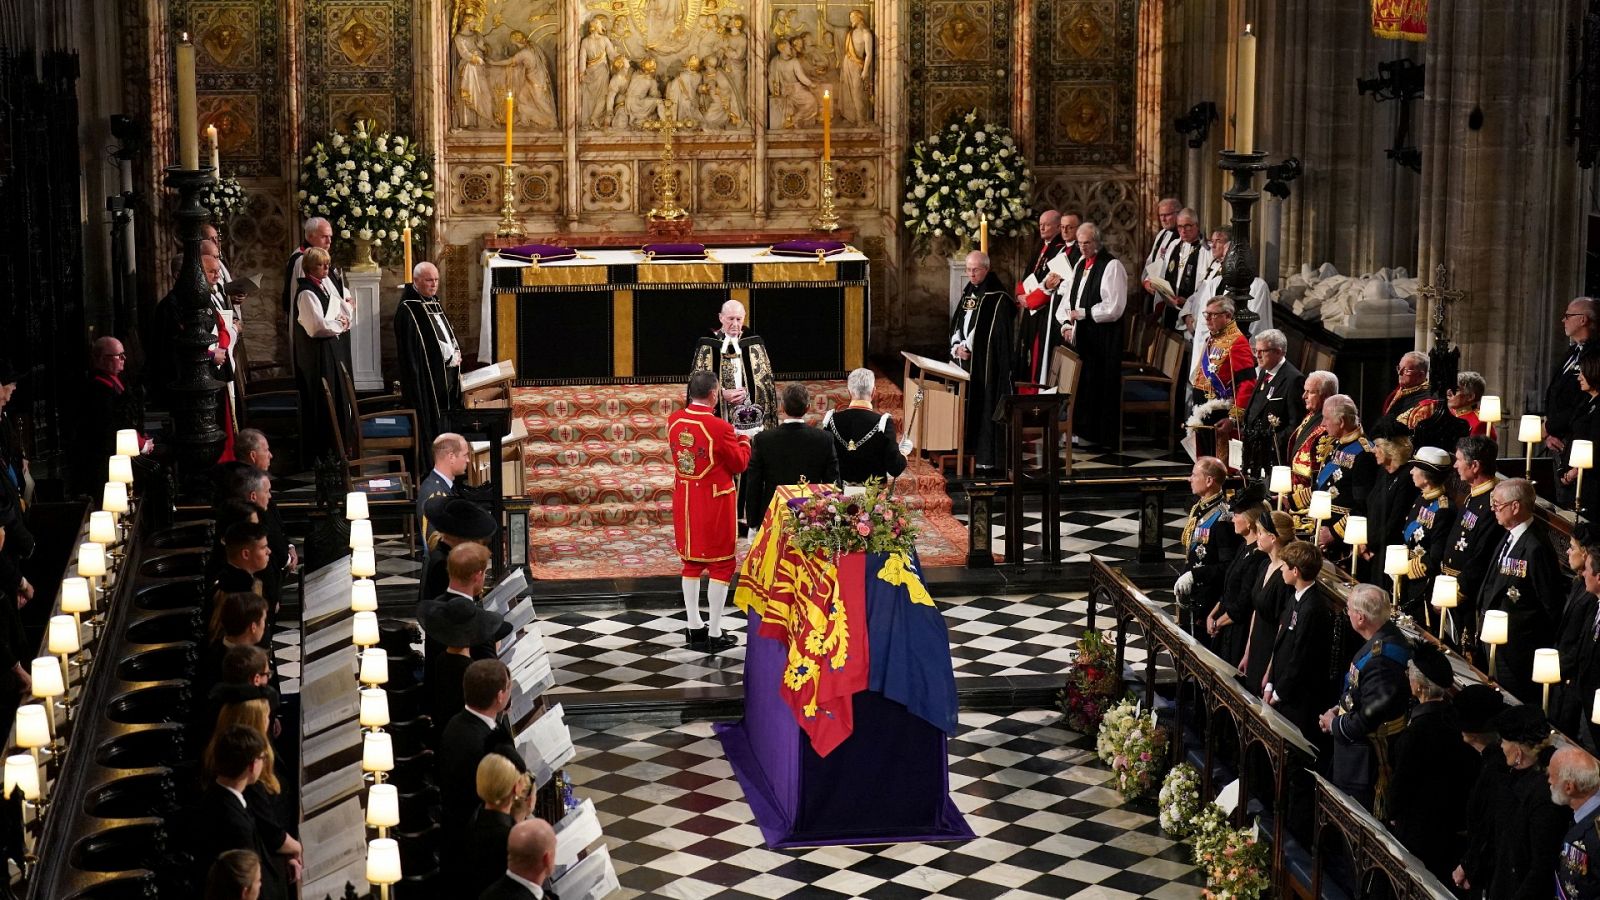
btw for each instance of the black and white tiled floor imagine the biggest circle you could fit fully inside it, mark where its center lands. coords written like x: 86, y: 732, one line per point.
x: 600, y: 650
x: 1048, y: 824
x: 1110, y: 534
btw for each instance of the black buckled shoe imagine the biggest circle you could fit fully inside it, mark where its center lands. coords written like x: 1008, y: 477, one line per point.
x: 697, y: 638
x: 720, y: 643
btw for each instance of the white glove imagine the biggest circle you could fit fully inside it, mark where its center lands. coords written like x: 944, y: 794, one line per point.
x: 749, y: 432
x: 1184, y: 585
x: 906, y: 446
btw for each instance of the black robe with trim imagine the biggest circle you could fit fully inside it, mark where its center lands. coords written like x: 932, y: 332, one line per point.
x: 318, y: 358
x: 429, y: 381
x: 994, y: 321
x: 761, y: 388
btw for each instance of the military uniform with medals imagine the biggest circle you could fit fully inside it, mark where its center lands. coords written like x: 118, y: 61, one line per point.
x: 1410, y: 406
x: 1209, y: 545
x: 1426, y: 536
x: 1525, y: 581
x: 1467, y: 552
x: 1371, y: 710
x: 1578, y: 868
x: 1348, y: 472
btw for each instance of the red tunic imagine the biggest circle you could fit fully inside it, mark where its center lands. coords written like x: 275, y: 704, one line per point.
x: 706, y: 455
x: 1230, y: 364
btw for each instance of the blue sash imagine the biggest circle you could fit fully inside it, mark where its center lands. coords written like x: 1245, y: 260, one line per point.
x: 1224, y: 391
x: 1203, y: 528
x: 1415, y: 528
x: 1332, y: 465
x: 1394, y: 650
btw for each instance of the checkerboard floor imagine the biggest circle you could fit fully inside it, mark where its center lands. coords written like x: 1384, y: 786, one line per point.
x: 1048, y: 823
x: 1110, y: 534
x: 603, y: 650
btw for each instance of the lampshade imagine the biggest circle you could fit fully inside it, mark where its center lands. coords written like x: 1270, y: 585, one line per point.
x: 91, y: 559
x: 377, y: 752
x: 47, y: 681
x: 1489, y: 409
x: 363, y: 595
x: 1321, y: 505
x: 75, y: 594
x: 1494, y: 626
x: 33, y: 727
x: 1280, y: 482
x: 355, y: 505
x: 1446, y: 591
x: 22, y: 772
x: 374, y: 708
x: 383, y: 861
x: 1396, y: 559
x: 127, y: 442
x: 361, y: 534
x: 1530, y: 430
x: 1355, y: 531
x: 374, y: 665
x: 362, y: 563
x: 383, y: 805
x: 114, y: 498
x: 1581, y: 454
x: 364, y: 629
x: 119, y: 470
x: 1546, y: 666
x: 63, y: 635
x: 103, y: 527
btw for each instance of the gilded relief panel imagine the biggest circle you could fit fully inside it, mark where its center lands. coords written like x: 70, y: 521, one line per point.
x: 237, y: 81
x: 474, y: 189
x: 960, y: 59
x: 815, y: 47
x: 357, y: 65
x: 725, y: 185
x: 643, y: 61
x: 538, y: 188
x: 499, y: 47
x: 607, y: 187
x: 1084, y: 83
x: 793, y: 183
x: 855, y: 183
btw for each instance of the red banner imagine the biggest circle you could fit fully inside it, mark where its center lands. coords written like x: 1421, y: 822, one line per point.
x: 1400, y: 19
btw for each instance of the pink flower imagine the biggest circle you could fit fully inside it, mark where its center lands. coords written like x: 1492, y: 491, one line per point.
x: 863, y: 528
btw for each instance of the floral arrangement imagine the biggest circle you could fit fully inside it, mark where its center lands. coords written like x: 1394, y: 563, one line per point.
x: 958, y: 177
x: 1134, y: 746
x: 1092, y: 682
x: 223, y: 198
x: 369, y: 186
x: 1207, y: 831
x: 1236, y: 865
x: 830, y: 521
x: 1179, y: 800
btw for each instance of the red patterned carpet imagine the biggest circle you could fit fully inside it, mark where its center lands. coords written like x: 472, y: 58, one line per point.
x: 598, y: 469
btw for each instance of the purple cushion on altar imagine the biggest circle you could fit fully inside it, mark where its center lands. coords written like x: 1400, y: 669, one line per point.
x: 809, y: 248
x: 674, y: 251
x: 541, y: 252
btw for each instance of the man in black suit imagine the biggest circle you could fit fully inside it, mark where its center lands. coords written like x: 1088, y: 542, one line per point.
x: 864, y: 438
x: 224, y: 821
x: 1271, y: 413
x: 1579, y: 643
x: 530, y: 858
x: 1296, y: 682
x: 786, y: 454
x: 248, y: 554
x: 474, y: 732
x: 451, y: 456
x: 1525, y: 581
x: 1562, y: 396
x: 455, y: 521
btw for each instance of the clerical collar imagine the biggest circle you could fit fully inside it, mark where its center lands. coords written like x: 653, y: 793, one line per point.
x: 791, y: 421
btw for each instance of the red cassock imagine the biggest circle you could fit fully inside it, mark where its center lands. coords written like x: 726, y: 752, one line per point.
x: 707, y: 454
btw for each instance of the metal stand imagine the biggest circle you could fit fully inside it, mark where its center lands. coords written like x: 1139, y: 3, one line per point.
x: 666, y: 180
x: 827, y: 218
x: 509, y: 226
x: 1238, y: 266
x: 194, y: 395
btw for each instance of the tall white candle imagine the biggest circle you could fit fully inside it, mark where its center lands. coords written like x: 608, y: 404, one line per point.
x: 1244, y: 103
x: 188, y: 121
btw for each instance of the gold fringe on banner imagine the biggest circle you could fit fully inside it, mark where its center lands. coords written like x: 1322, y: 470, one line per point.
x: 1400, y: 19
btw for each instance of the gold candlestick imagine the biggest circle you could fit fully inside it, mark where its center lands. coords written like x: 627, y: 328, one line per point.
x: 665, y: 183
x: 509, y: 226
x: 827, y: 218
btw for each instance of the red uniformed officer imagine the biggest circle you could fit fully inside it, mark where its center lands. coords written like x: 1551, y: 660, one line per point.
x: 707, y: 457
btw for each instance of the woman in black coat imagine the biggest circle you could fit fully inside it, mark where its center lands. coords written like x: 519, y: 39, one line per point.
x: 1391, y: 496
x: 1266, y: 600
x: 1228, y: 622
x: 1586, y: 426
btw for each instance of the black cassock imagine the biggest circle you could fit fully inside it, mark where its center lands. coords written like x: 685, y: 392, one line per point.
x: 430, y: 362
x: 989, y: 331
x: 315, y: 359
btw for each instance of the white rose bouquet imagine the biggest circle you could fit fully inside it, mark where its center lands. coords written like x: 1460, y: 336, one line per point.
x: 223, y: 199
x: 368, y: 186
x: 959, y: 176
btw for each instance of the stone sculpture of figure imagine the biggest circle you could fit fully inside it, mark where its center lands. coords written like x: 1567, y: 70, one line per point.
x: 474, y: 106
x: 736, y: 57
x: 644, y: 95
x: 708, y: 37
x: 529, y: 79
x: 722, y: 107
x: 616, y: 110
x: 683, y: 92
x: 855, y: 72
x: 595, y: 55
x: 793, y: 103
